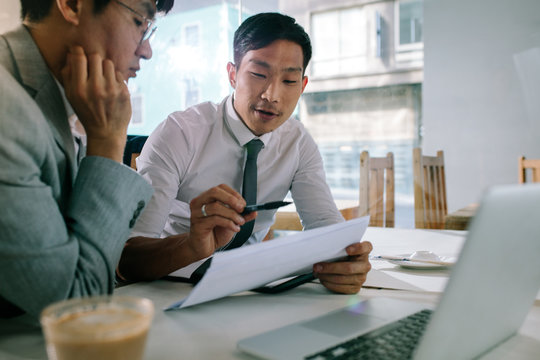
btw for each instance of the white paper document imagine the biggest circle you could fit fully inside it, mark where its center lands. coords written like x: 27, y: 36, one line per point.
x: 253, y: 266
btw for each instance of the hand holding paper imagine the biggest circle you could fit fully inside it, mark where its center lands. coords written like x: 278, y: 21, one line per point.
x: 346, y: 276
x: 252, y: 266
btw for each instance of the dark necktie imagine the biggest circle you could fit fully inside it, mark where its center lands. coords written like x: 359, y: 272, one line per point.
x: 249, y: 193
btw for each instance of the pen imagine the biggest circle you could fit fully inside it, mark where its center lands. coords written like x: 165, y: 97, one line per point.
x: 265, y: 206
x: 401, y: 258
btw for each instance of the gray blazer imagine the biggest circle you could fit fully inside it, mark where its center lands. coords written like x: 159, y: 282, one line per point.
x: 63, y: 225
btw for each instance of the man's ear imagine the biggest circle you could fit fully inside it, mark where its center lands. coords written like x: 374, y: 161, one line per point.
x: 231, y: 69
x: 304, y: 83
x: 70, y: 10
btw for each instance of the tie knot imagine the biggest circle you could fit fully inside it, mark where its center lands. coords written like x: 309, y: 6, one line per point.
x: 253, y: 147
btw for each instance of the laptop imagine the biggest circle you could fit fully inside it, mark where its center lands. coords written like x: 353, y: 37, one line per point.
x: 490, y: 291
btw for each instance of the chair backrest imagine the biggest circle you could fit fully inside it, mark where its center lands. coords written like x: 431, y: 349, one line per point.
x: 430, y: 207
x: 528, y: 164
x: 376, y: 196
x: 289, y: 220
x: 133, y: 149
x: 377, y: 189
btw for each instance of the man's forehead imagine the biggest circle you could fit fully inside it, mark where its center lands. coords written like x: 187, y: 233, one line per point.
x: 265, y: 64
x: 267, y: 57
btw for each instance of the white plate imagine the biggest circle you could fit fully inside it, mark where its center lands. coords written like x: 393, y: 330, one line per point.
x: 421, y: 265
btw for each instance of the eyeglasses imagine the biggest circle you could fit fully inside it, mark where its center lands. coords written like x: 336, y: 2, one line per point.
x: 150, y: 28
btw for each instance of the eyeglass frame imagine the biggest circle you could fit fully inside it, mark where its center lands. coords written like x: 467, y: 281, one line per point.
x: 150, y: 30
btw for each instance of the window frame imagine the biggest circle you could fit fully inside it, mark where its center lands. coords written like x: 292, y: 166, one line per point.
x: 196, y: 24
x: 401, y: 48
x: 340, y: 59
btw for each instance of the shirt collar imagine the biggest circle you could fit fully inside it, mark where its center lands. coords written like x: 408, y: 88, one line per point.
x: 69, y: 110
x: 77, y: 130
x: 238, y: 128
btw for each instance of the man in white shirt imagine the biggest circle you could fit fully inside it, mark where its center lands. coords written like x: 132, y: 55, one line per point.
x: 204, y: 146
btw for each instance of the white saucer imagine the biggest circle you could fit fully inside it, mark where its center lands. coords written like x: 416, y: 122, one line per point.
x: 421, y: 265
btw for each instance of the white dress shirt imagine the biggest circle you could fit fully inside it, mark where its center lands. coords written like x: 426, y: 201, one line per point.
x: 203, y: 146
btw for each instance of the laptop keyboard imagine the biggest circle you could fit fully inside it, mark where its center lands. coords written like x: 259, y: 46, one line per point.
x: 396, y: 340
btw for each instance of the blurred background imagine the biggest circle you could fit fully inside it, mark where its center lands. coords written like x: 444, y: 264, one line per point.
x: 453, y: 75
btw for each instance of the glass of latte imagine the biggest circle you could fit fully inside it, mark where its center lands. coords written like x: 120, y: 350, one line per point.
x: 100, y: 327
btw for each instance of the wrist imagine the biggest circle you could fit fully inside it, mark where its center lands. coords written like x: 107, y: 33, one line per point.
x: 195, y: 248
x: 110, y: 147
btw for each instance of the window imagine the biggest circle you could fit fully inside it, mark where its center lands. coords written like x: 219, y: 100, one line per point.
x: 361, y: 102
x: 190, y: 53
x: 339, y: 51
x: 410, y: 22
x: 136, y: 109
x: 191, y: 93
x: 379, y: 120
x: 191, y: 35
x: 409, y: 33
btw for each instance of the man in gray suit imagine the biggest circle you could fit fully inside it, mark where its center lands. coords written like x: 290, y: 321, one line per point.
x: 65, y: 217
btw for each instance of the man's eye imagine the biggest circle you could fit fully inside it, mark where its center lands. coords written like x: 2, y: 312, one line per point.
x: 290, y: 82
x: 261, y: 76
x: 137, y: 22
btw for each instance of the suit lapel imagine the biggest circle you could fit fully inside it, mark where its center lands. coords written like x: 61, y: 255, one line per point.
x: 40, y: 84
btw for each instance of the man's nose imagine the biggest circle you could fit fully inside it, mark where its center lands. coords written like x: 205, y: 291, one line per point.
x: 271, y: 92
x: 144, y: 50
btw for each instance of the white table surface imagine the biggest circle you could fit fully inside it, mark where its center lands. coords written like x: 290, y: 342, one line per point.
x: 211, y: 330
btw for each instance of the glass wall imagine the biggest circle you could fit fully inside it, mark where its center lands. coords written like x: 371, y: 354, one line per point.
x: 365, y: 92
x: 191, y: 50
x: 350, y: 43
x: 9, y: 15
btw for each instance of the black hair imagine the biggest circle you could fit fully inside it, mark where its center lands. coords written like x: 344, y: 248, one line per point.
x: 37, y: 10
x: 262, y: 29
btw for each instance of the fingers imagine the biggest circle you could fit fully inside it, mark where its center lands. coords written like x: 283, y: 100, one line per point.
x: 346, y: 276
x: 218, y: 209
x: 347, y: 267
x: 78, y: 64
x: 208, y: 223
x: 222, y: 194
x: 75, y: 74
x: 95, y: 67
x: 343, y: 286
x: 220, y: 220
x: 222, y: 207
x: 109, y: 72
x: 359, y: 249
x: 101, y: 100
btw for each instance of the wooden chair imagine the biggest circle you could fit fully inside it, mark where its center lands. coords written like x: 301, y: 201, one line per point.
x: 376, y: 191
x: 375, y: 188
x: 531, y: 164
x: 284, y: 221
x: 430, y: 206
